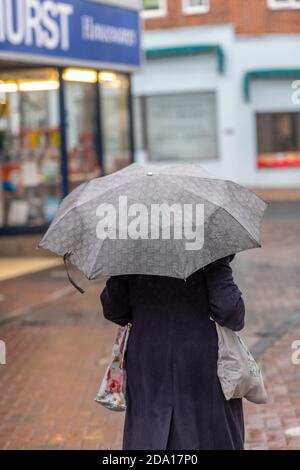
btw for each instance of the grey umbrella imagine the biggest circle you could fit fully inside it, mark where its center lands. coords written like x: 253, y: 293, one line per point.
x: 169, y: 198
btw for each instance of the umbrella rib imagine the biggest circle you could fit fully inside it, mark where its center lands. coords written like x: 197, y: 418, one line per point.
x: 55, y: 221
x: 226, y: 210
x: 83, y: 189
x: 99, y: 248
x: 219, y: 208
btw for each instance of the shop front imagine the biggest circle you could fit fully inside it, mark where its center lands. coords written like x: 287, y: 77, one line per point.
x: 65, y: 101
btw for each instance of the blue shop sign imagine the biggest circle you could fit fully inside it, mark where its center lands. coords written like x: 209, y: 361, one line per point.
x: 70, y: 32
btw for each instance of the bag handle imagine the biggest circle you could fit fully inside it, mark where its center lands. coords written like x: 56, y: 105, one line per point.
x: 66, y: 257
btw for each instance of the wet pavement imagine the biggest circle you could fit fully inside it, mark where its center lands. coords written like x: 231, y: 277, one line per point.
x: 55, y: 360
x: 58, y: 345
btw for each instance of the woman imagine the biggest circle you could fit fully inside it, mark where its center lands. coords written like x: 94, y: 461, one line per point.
x: 174, y: 398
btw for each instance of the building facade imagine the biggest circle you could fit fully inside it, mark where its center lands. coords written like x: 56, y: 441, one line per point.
x: 221, y: 85
x: 65, y: 102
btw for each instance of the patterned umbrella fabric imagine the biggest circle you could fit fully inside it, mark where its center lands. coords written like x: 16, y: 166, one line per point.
x: 135, y: 207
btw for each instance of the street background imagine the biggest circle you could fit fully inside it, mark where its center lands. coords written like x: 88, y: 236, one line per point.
x: 58, y: 345
x: 205, y: 81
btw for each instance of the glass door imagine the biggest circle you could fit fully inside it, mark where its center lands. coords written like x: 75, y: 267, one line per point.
x: 81, y: 104
x: 114, y: 92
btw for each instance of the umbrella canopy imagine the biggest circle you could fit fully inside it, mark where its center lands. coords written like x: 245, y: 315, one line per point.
x: 168, y: 220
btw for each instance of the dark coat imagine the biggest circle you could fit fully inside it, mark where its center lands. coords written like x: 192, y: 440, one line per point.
x: 174, y: 399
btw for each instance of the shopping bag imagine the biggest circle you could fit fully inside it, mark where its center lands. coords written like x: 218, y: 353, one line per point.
x: 239, y: 374
x: 112, y: 392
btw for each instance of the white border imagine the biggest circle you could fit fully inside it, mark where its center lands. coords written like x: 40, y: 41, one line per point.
x: 197, y: 9
x: 160, y: 12
x: 291, y: 5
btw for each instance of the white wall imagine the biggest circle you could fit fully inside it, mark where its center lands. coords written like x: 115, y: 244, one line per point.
x: 236, y: 117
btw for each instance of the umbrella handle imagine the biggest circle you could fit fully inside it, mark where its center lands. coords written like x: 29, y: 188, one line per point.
x: 66, y: 256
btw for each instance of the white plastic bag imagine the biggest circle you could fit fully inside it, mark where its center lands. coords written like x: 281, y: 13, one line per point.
x: 238, y: 372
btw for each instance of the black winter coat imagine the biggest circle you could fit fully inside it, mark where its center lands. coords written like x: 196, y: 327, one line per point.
x: 174, y: 398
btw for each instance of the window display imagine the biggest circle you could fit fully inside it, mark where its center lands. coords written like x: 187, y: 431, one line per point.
x: 29, y: 147
x: 34, y: 162
x: 278, y: 140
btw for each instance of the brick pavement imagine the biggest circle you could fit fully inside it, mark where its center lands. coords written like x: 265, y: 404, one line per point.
x: 267, y: 424
x: 278, y: 194
x: 53, y: 371
x: 27, y: 292
x: 52, y: 374
x: 56, y: 354
x: 269, y: 277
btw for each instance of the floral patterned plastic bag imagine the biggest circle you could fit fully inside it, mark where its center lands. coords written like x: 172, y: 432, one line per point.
x: 112, y: 392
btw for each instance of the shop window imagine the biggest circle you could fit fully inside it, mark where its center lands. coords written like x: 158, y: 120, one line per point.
x: 97, y: 124
x: 181, y: 127
x: 114, y: 91
x: 154, y: 8
x: 29, y: 147
x: 81, y: 103
x: 278, y: 139
x: 192, y: 7
x: 284, y: 4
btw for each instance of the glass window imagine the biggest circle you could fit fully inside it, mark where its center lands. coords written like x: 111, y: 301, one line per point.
x: 191, y: 7
x: 180, y: 127
x: 114, y: 90
x: 283, y: 4
x: 29, y: 147
x: 278, y: 139
x: 81, y: 102
x: 153, y: 8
